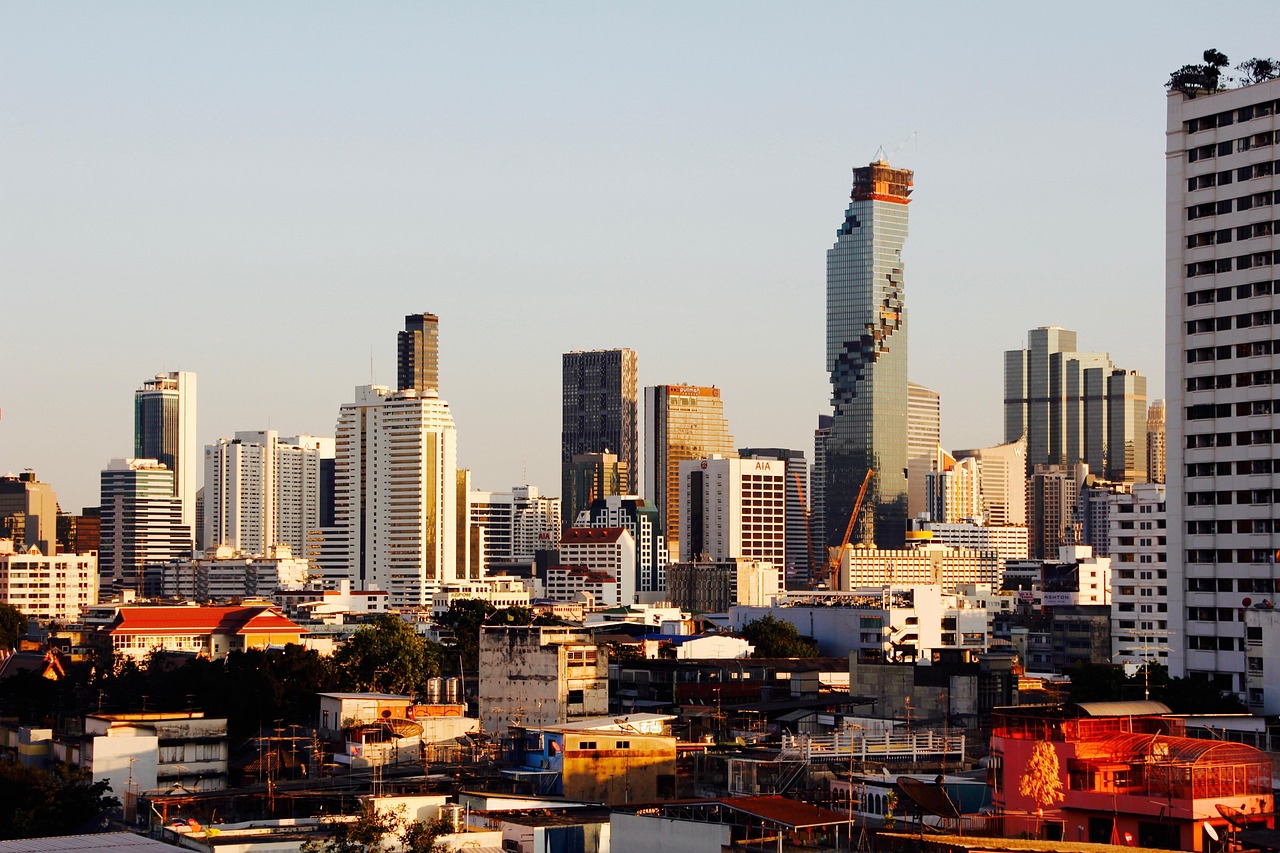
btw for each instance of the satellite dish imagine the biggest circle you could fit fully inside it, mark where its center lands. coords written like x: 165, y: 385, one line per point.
x: 1210, y: 831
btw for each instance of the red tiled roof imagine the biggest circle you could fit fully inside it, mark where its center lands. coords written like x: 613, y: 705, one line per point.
x: 584, y: 535
x: 203, y: 620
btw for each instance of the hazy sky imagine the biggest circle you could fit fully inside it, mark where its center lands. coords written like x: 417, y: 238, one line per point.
x: 258, y: 192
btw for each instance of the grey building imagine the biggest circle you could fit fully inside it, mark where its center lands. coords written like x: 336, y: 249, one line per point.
x: 600, y: 413
x: 418, y: 354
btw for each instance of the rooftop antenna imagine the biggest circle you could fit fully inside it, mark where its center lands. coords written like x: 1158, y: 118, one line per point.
x: 371, y: 381
x: 883, y: 156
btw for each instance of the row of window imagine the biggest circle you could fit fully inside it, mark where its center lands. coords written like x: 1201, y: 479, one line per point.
x: 1240, y: 232
x: 1245, y: 438
x: 1227, y: 205
x: 1249, y: 320
x: 1215, y: 584
x: 1230, y: 555
x: 1240, y: 497
x: 1196, y: 355
x: 1236, y: 525
x: 1230, y: 117
x: 1205, y: 411
x: 1224, y: 294
x: 1226, y: 469
x: 1241, y: 262
x: 1224, y: 178
x: 1234, y: 380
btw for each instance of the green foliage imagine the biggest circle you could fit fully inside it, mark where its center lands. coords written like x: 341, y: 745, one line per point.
x: 388, y: 656
x: 775, y: 638
x: 1192, y: 80
x: 465, y: 618
x: 36, y: 803
x: 1258, y: 69
x: 1188, y: 695
x: 375, y: 830
x: 1099, y: 682
x: 13, y: 626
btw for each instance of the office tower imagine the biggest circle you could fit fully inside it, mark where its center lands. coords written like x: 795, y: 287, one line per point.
x: 396, y: 492
x: 1002, y: 472
x: 164, y: 429
x: 818, y: 491
x: 867, y: 359
x: 680, y: 422
x: 29, y: 513
x: 641, y: 518
x: 796, y: 471
x: 262, y: 490
x: 924, y: 435
x: 1155, y: 442
x: 591, y: 476
x: 600, y: 414
x: 953, y: 489
x: 733, y: 508
x: 1126, y: 450
x: 79, y: 534
x: 1221, y: 286
x: 1052, y: 493
x: 418, y: 354
x: 141, y: 522
x: 516, y: 524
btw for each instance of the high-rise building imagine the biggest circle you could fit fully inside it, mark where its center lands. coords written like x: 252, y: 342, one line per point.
x: 262, y: 490
x: 1140, y: 577
x: 396, y: 482
x: 589, y: 477
x: 641, y: 518
x: 1052, y: 494
x: 796, y: 470
x: 680, y: 422
x: 141, y: 523
x: 733, y: 508
x: 1075, y: 406
x: 600, y: 414
x: 516, y: 524
x: 418, y: 354
x: 867, y: 359
x: 164, y: 429
x: 1155, y: 442
x: 818, y: 491
x: 924, y: 434
x: 953, y: 489
x: 1222, y: 291
x: 29, y: 513
x: 1002, y: 472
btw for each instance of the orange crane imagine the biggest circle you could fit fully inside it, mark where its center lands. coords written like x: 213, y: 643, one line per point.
x: 808, y: 529
x: 835, y: 555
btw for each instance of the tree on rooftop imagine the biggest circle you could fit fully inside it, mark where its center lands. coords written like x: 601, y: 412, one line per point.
x: 382, y: 830
x: 776, y: 638
x: 1042, y: 780
x: 1258, y: 69
x: 1192, y: 80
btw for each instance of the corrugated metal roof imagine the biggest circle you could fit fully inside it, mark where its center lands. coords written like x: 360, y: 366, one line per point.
x: 1123, y: 709
x: 785, y: 811
x: 120, y: 842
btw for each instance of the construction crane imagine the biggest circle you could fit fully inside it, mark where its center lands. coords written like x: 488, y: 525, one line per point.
x: 836, y: 555
x: 808, y: 529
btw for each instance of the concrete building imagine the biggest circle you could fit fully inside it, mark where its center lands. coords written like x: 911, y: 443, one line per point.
x: 867, y: 359
x: 924, y: 434
x: 681, y: 422
x: 590, y: 477
x: 926, y: 563
x: 164, y: 429
x: 540, y: 676
x: 499, y: 592
x: 29, y: 513
x: 515, y: 525
x: 611, y: 550
x: 594, y: 588
x: 641, y: 518
x: 141, y: 522
x: 818, y: 491
x: 952, y: 488
x: 796, y: 474
x: 262, y: 490
x: 600, y: 414
x: 396, y: 483
x: 1008, y: 543
x: 212, y: 632
x: 56, y: 587
x: 1140, y: 629
x: 1002, y: 472
x: 223, y: 575
x: 1155, y: 442
x: 418, y: 354
x: 713, y: 586
x: 1052, y: 494
x: 1220, y: 360
x: 733, y: 508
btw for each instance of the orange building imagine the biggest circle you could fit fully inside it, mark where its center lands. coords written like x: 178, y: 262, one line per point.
x: 208, y: 631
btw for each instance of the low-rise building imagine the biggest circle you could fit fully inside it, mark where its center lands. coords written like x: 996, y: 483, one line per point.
x: 603, y: 549
x: 929, y: 563
x: 540, y: 676
x: 56, y: 587
x: 223, y: 575
x: 716, y: 585
x: 211, y: 632
x: 499, y: 592
x: 578, y: 583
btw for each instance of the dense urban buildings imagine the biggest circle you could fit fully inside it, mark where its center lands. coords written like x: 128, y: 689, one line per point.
x: 28, y: 512
x: 796, y: 471
x: 600, y: 414
x: 1220, y: 363
x: 867, y: 359
x: 588, y: 477
x: 141, y: 523
x: 641, y: 518
x: 681, y: 422
x: 1002, y: 473
x: 516, y: 524
x: 418, y: 354
x: 164, y: 429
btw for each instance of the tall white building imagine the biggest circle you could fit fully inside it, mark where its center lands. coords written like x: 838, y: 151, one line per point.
x: 924, y: 434
x: 1222, y: 288
x: 1002, y: 472
x: 262, y: 490
x: 641, y: 518
x: 395, y: 489
x: 516, y: 524
x: 141, y: 522
x: 1140, y: 576
x: 733, y: 508
x: 164, y: 429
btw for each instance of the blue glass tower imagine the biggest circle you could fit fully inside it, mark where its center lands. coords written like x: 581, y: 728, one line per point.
x: 867, y: 359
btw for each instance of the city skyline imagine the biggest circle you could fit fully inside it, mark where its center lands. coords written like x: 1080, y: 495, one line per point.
x: 112, y: 155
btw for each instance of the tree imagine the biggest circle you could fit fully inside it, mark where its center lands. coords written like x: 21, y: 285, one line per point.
x: 375, y: 830
x: 35, y: 803
x: 13, y: 626
x: 387, y: 656
x: 1192, y: 80
x: 1042, y: 780
x: 1258, y: 69
x: 775, y: 638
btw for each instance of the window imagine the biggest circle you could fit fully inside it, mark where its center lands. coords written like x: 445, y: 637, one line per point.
x: 586, y: 744
x: 622, y: 744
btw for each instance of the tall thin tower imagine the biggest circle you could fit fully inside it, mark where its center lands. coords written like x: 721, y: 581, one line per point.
x: 867, y: 358
x: 600, y: 413
x: 418, y: 354
x: 164, y: 429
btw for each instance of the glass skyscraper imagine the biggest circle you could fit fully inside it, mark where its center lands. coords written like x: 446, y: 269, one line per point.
x: 867, y: 359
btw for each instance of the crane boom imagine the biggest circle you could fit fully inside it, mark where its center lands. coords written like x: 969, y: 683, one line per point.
x: 833, y: 564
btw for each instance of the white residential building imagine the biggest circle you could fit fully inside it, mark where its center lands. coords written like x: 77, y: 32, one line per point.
x: 733, y: 508
x: 223, y: 575
x: 500, y: 592
x: 262, y: 490
x: 573, y: 583
x: 1009, y: 543
x: 47, y: 587
x: 395, y: 484
x: 602, y: 549
x: 1222, y: 288
x: 516, y: 524
x: 641, y: 518
x: 141, y: 522
x: 1140, y: 576
x: 939, y: 565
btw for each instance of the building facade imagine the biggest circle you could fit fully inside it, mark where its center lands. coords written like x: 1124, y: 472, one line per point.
x: 924, y: 434
x: 611, y: 550
x: 600, y: 414
x: 540, y: 676
x: 682, y: 422
x: 1155, y: 442
x: 47, y: 587
x: 164, y: 429
x: 796, y: 473
x: 867, y: 359
x: 1002, y: 472
x: 733, y: 508
x: 418, y: 354
x: 514, y: 525
x: 589, y: 477
x: 641, y: 518
x: 714, y: 586
x: 1221, y: 359
x: 141, y: 522
x: 1140, y: 576
x: 28, y: 512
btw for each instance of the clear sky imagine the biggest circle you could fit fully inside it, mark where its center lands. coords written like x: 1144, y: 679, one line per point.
x: 258, y: 192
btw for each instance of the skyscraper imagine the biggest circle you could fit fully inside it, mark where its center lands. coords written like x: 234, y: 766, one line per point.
x: 680, y: 422
x: 924, y: 435
x: 733, y: 508
x: 589, y: 477
x: 600, y: 414
x: 418, y: 353
x: 1222, y: 291
x: 29, y: 513
x: 1155, y: 442
x: 796, y: 470
x: 164, y: 429
x: 141, y: 522
x: 867, y: 358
